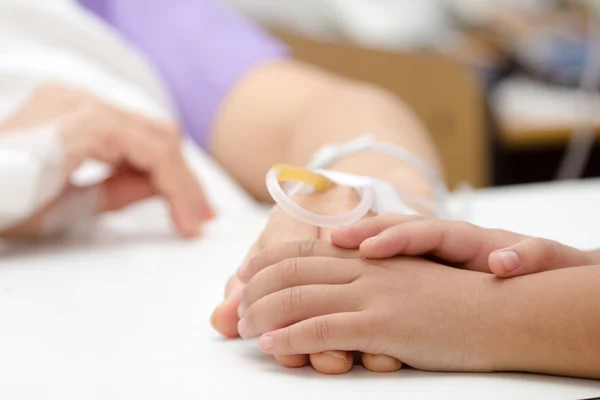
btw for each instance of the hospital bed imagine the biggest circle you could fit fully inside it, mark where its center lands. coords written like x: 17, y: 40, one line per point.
x: 120, y: 309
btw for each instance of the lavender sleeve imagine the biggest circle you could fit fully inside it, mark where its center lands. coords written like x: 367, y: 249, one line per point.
x: 200, y: 48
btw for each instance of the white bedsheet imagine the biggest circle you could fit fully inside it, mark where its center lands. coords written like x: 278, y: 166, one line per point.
x: 122, y: 311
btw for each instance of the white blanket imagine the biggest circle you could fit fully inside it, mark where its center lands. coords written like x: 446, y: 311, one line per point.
x: 121, y: 311
x: 56, y: 40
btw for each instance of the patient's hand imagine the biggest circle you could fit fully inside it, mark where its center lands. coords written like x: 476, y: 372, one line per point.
x: 417, y: 310
x: 505, y: 254
x: 282, y: 228
x: 145, y: 153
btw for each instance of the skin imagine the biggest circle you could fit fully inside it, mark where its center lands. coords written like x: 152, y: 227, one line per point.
x: 283, y: 228
x: 460, y: 244
x: 145, y: 155
x: 257, y: 125
x: 317, y: 109
x: 430, y: 316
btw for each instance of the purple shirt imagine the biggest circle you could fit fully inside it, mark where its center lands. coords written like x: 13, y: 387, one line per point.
x: 200, y: 48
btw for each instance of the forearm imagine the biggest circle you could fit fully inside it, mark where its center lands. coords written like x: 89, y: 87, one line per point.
x: 283, y: 113
x: 546, y: 323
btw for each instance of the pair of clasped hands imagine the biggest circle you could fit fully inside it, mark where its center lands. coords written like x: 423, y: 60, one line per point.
x: 391, y: 287
x: 396, y: 288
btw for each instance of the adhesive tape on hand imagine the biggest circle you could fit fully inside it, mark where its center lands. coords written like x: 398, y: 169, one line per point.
x: 319, y: 180
x: 375, y: 195
x: 32, y: 173
x: 76, y: 205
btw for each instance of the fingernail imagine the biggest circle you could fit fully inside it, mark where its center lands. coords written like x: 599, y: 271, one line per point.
x: 373, y: 239
x: 266, y: 342
x: 242, y: 328
x: 242, y: 270
x: 342, y: 355
x: 509, y: 259
x: 235, y: 295
x: 241, y: 310
x: 192, y: 230
x: 213, y: 317
x: 208, y: 214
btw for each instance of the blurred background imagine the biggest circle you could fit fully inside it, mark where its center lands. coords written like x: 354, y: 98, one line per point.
x: 498, y: 83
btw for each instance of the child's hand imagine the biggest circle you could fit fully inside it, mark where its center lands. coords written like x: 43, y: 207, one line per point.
x: 313, y: 299
x: 505, y: 254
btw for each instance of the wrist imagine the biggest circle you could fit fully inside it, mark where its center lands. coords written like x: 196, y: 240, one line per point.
x: 333, y: 201
x: 483, y: 348
x: 402, y: 175
x: 508, y: 316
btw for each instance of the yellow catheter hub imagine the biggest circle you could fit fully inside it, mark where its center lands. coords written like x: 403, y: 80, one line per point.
x: 303, y: 175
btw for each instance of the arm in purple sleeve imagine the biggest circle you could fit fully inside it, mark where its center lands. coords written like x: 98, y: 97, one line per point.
x: 201, y: 49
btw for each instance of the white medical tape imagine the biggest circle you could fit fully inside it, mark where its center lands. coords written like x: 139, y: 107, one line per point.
x: 375, y: 195
x: 76, y: 205
x: 32, y: 172
x: 329, y: 153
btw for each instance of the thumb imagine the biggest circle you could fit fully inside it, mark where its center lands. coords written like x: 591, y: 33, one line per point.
x: 124, y: 188
x: 80, y: 203
x: 532, y: 255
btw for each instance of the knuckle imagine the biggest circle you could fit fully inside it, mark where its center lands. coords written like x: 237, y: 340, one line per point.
x: 287, y: 335
x: 538, y: 243
x: 256, y: 262
x: 307, y: 248
x: 542, y: 248
x: 292, y: 299
x: 375, y: 327
x: 319, y: 332
x: 376, y: 270
x: 289, y: 269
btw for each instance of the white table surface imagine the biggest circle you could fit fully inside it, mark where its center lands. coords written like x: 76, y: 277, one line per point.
x: 121, y: 312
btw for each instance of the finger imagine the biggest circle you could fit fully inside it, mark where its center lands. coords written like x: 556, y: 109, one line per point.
x: 232, y: 282
x: 293, y: 360
x: 73, y: 205
x: 451, y: 241
x: 333, y: 362
x: 375, y: 363
x: 533, y: 255
x: 182, y: 191
x: 225, y: 319
x: 351, y: 236
x: 292, y: 305
x: 346, y: 331
x: 380, y: 363
x: 281, y: 228
x: 124, y: 188
x: 161, y: 157
x: 296, y: 272
x: 170, y: 135
x: 271, y: 255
